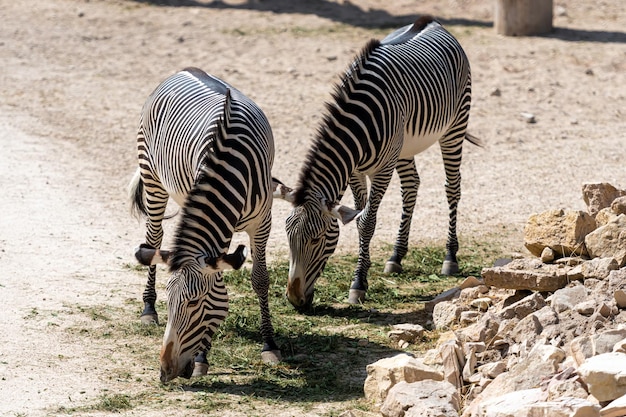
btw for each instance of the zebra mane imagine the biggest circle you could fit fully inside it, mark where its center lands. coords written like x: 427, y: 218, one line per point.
x: 338, y: 99
x: 181, y: 251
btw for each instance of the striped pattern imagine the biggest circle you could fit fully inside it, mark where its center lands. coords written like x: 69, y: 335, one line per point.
x: 211, y: 149
x: 397, y: 98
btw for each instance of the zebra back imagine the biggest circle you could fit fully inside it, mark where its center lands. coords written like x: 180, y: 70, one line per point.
x: 212, y: 150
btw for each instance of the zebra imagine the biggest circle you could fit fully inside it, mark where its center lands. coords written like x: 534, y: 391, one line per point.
x: 397, y: 98
x: 211, y: 149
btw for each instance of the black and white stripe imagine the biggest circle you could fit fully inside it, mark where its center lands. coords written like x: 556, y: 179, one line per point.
x: 211, y: 149
x: 397, y: 98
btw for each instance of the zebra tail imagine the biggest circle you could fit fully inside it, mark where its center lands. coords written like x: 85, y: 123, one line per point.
x: 474, y: 140
x: 135, y: 192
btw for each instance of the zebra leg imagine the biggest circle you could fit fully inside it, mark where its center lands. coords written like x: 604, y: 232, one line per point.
x: 366, y: 225
x: 409, y: 184
x: 261, y: 284
x: 451, y: 150
x: 156, y: 201
x: 358, y: 185
x: 200, y: 364
x: 218, y: 310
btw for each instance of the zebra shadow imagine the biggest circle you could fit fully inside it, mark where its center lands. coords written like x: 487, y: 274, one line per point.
x: 315, y: 368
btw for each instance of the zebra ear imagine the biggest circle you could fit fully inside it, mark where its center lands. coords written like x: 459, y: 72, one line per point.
x: 147, y: 255
x: 343, y: 213
x: 281, y: 191
x: 221, y: 263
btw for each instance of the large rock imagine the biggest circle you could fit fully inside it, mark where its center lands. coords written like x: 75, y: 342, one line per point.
x: 526, y: 274
x: 560, y: 230
x: 541, y: 363
x: 599, y: 195
x: 531, y: 403
x: 584, y: 347
x: 567, y: 298
x: 422, y: 399
x: 609, y: 240
x: 616, y: 408
x: 524, y: 307
x: 385, y: 373
x: 605, y: 375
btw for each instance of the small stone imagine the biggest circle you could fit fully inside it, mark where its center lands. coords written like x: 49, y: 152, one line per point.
x: 528, y: 117
x: 481, y: 304
x: 496, y: 93
x: 620, y: 298
x: 547, y: 255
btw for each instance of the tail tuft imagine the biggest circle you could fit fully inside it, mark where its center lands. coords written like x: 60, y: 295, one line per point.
x: 135, y: 193
x: 474, y: 140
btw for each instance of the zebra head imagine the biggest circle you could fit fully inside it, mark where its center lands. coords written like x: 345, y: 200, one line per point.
x: 197, y: 303
x: 313, y: 231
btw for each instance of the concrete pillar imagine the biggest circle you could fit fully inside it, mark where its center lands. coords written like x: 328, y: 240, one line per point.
x: 523, y: 17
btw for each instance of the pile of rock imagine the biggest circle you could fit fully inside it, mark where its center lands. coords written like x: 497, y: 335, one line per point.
x: 542, y: 335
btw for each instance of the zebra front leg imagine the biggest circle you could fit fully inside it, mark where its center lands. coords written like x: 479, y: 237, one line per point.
x: 366, y: 225
x: 261, y: 284
x: 409, y: 184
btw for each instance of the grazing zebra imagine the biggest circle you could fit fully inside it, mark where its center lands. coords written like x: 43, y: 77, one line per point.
x: 398, y: 97
x: 211, y: 149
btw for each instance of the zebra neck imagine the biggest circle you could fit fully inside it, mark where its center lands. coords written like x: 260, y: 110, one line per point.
x: 325, y: 172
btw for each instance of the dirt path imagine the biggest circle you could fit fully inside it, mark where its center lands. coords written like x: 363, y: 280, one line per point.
x: 74, y: 76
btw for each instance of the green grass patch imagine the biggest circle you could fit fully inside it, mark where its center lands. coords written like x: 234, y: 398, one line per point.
x: 325, y: 350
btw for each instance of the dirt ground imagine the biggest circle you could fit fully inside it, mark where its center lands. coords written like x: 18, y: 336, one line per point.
x: 74, y: 75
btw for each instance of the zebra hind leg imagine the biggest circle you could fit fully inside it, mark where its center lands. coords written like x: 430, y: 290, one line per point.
x: 409, y: 184
x: 149, y: 314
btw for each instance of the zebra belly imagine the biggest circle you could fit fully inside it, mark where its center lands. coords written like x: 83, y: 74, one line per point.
x: 413, y: 145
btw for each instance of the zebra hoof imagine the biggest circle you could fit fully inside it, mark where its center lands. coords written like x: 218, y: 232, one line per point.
x: 449, y: 268
x: 200, y: 369
x: 149, y: 319
x: 392, y: 267
x: 356, y: 296
x: 271, y: 357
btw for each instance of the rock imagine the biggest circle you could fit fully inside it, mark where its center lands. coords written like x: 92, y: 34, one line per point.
x: 523, y: 274
x: 620, y: 298
x: 604, y: 216
x: 599, y: 195
x: 448, y: 295
x: 616, y: 408
x: 385, y: 373
x: 567, y: 298
x: 422, y: 399
x: 481, y: 304
x: 534, y: 325
x: 547, y: 255
x: 453, y: 362
x: 492, y: 369
x: 586, y: 308
x: 609, y: 240
x: 542, y: 362
x: 605, y: 375
x: 470, y: 282
x: 562, y: 231
x: 598, y: 268
x: 531, y: 403
x: 618, y: 206
x: 469, y: 317
x: 524, y: 307
x: 406, y: 332
x: 445, y: 314
x: 357, y: 413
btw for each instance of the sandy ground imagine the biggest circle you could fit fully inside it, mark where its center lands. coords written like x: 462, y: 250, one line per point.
x: 74, y: 75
